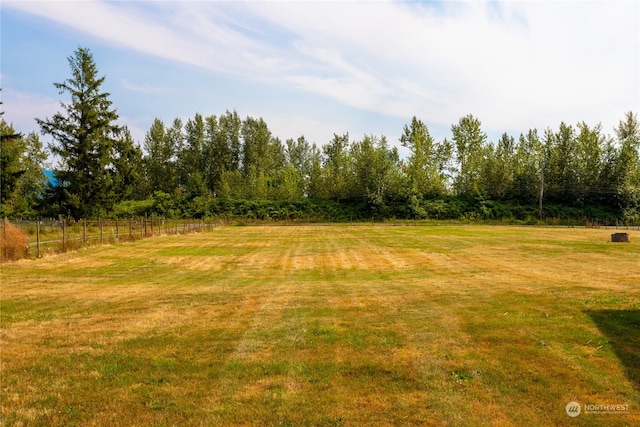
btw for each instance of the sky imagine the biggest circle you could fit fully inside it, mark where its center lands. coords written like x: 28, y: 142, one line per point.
x: 316, y: 68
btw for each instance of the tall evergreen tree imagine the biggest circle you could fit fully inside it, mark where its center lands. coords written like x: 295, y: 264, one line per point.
x: 85, y: 137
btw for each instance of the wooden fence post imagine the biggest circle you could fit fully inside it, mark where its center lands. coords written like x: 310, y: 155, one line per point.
x: 100, y: 225
x: 64, y: 232
x: 38, y: 239
x: 4, y: 234
x: 6, y: 244
x: 84, y: 231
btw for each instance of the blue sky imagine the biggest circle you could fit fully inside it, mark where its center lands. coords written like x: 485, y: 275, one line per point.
x: 323, y: 67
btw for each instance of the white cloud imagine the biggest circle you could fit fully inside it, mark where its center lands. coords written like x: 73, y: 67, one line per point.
x: 21, y: 109
x: 141, y: 88
x: 514, y: 65
x: 136, y: 129
x: 293, y: 126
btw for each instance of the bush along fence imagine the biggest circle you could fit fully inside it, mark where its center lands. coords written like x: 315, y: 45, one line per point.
x: 34, y: 239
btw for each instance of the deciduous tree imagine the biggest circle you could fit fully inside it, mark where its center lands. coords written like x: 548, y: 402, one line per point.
x: 160, y: 159
x: 469, y: 140
x: 426, y: 165
x: 628, y: 165
x: 12, y: 149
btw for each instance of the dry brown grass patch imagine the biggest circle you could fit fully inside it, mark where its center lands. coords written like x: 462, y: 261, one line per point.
x: 339, y: 325
x: 13, y: 242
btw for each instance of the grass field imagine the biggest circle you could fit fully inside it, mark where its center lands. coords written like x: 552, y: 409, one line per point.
x: 327, y: 325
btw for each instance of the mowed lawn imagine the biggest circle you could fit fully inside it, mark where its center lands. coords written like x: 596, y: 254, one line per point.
x: 327, y: 325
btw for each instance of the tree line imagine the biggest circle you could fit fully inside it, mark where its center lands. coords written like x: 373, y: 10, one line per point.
x: 216, y: 165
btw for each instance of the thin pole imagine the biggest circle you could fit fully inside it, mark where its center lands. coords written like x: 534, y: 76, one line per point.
x: 64, y: 232
x: 4, y: 234
x: 541, y: 189
x: 38, y: 239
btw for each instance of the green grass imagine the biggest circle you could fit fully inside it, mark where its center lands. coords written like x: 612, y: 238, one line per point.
x: 326, y: 325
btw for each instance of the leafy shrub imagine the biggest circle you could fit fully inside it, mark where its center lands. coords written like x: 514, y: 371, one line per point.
x: 132, y: 208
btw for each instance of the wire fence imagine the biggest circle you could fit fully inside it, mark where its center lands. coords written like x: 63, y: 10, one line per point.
x: 58, y: 236
x: 35, y: 239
